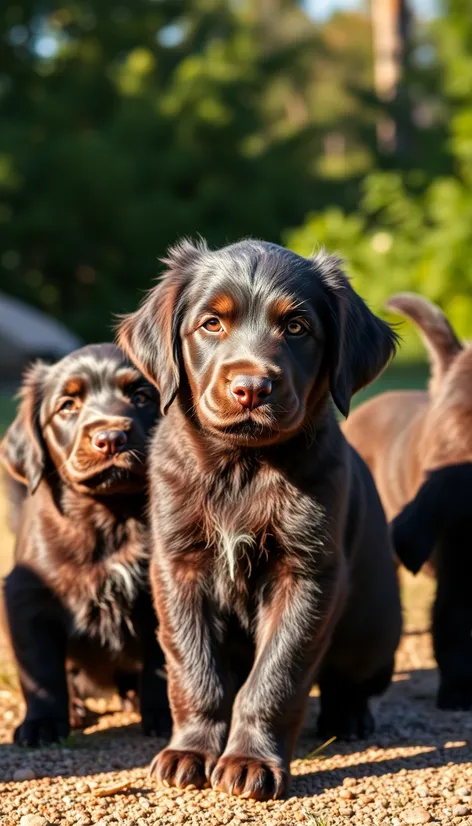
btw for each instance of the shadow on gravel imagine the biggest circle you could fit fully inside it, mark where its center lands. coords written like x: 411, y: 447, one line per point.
x: 333, y: 778
x: 406, y: 718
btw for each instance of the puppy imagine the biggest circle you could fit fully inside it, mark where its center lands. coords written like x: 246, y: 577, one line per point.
x: 418, y: 446
x: 272, y: 566
x: 77, y: 598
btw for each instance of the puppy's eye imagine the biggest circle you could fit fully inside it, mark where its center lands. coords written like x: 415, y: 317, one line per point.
x: 295, y: 327
x: 68, y: 406
x: 213, y: 325
x: 140, y: 398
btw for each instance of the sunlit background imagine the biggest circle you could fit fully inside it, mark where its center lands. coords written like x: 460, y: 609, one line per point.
x: 127, y: 125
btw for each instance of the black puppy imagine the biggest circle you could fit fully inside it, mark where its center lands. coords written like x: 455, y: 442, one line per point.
x: 437, y: 526
x: 77, y: 597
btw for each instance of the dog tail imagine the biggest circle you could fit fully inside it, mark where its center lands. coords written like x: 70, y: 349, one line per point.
x: 438, y: 335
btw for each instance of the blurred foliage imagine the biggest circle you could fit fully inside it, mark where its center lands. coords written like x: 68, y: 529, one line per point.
x: 412, y: 229
x: 125, y: 125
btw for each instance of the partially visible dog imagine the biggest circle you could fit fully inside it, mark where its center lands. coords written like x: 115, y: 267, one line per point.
x: 272, y: 564
x: 418, y: 445
x: 77, y: 598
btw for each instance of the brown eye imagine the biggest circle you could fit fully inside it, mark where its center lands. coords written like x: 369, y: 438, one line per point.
x: 213, y: 325
x: 140, y: 398
x: 295, y: 328
x: 68, y: 406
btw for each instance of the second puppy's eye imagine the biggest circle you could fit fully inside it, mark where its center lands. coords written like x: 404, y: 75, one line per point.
x: 68, y: 406
x: 140, y: 398
x: 295, y: 327
x: 213, y: 325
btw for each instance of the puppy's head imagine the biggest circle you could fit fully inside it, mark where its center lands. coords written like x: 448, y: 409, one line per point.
x: 88, y: 417
x: 257, y: 335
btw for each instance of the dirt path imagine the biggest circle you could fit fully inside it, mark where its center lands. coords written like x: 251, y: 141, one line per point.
x: 416, y: 769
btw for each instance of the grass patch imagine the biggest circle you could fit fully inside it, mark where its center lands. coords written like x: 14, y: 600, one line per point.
x: 317, y: 754
x: 397, y: 377
x: 7, y: 411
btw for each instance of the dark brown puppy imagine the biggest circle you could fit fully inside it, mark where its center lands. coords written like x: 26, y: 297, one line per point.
x: 419, y: 448
x: 78, y: 591
x: 272, y: 566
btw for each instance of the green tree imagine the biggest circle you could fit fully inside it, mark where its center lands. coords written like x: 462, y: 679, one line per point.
x: 126, y: 125
x: 412, y: 227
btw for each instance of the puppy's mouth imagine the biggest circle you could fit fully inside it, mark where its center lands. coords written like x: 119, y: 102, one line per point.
x: 127, y: 465
x: 263, y: 425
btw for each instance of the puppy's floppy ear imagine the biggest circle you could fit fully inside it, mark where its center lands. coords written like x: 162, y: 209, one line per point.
x: 150, y: 336
x: 22, y: 449
x: 360, y: 344
x: 441, y: 507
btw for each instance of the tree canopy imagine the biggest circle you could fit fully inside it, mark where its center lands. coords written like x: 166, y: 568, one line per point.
x: 127, y: 125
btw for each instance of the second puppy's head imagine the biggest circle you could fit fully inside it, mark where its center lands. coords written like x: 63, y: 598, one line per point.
x: 86, y: 418
x: 256, y: 335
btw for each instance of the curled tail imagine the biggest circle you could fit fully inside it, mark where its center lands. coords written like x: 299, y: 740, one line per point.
x: 438, y: 335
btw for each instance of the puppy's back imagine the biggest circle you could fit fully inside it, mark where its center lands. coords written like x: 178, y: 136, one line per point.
x: 385, y: 431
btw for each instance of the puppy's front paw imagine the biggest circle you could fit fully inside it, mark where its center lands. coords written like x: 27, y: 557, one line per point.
x: 351, y: 722
x: 41, y: 732
x: 175, y: 767
x: 157, y: 723
x: 455, y: 695
x: 248, y: 777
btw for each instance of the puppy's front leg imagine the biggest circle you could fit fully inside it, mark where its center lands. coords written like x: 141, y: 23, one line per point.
x: 37, y: 627
x: 293, y: 631
x: 191, y: 634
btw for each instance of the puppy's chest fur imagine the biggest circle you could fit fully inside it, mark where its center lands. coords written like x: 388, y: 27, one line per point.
x: 99, y: 578
x: 258, y: 524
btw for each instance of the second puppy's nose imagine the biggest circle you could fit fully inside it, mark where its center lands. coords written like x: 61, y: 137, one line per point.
x: 251, y: 391
x: 109, y: 441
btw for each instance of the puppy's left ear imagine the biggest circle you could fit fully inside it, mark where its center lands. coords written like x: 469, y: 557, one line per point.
x: 22, y: 449
x: 150, y: 336
x: 360, y: 344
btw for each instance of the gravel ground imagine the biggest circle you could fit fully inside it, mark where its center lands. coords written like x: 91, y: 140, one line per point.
x: 416, y: 769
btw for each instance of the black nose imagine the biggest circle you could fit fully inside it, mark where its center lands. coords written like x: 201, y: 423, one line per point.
x: 251, y: 391
x: 109, y: 441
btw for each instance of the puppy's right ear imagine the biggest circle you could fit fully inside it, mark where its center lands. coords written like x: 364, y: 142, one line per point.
x: 150, y: 336
x: 22, y: 449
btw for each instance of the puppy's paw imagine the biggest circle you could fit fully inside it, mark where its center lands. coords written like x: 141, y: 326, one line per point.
x: 349, y: 723
x: 248, y: 777
x: 41, y: 732
x: 175, y: 767
x: 157, y: 723
x: 455, y: 695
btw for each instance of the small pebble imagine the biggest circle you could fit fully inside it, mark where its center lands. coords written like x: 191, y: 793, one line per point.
x: 418, y: 815
x: 25, y: 773
x: 461, y: 810
x: 346, y: 794
x: 34, y: 820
